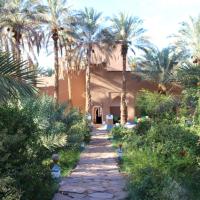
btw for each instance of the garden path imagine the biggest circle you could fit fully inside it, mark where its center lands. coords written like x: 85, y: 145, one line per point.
x: 96, y: 176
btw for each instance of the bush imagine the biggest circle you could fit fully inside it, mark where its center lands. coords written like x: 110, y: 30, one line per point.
x: 143, y: 127
x: 162, y: 162
x: 30, y: 132
x: 161, y: 156
x: 22, y: 154
x: 119, y: 132
x: 154, y: 104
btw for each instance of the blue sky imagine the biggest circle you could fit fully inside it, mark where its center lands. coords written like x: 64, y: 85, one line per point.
x: 161, y: 17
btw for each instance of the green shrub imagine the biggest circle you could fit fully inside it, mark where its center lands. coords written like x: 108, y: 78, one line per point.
x: 30, y: 132
x: 119, y: 132
x: 22, y: 154
x: 143, y: 127
x: 163, y: 158
x: 154, y: 104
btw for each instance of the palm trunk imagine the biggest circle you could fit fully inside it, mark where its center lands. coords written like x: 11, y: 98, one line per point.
x: 6, y: 45
x: 17, y: 50
x: 69, y: 89
x: 123, y: 96
x: 13, y: 48
x: 56, y: 66
x: 17, y: 37
x: 68, y: 58
x: 88, y: 94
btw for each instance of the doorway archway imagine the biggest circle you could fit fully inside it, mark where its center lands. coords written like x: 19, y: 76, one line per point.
x: 97, y: 115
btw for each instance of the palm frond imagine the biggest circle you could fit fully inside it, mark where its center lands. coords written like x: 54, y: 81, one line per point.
x: 189, y: 75
x: 159, y: 65
x: 52, y: 141
x: 129, y: 30
x: 22, y: 19
x: 188, y: 36
x: 16, y: 78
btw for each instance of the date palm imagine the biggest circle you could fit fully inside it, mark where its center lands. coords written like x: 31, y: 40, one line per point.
x: 16, y: 79
x: 188, y: 38
x: 56, y: 16
x: 128, y: 32
x: 189, y: 75
x: 158, y: 66
x: 19, y: 25
x: 90, y: 36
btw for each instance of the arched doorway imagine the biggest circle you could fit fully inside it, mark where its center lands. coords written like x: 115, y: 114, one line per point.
x: 97, y: 115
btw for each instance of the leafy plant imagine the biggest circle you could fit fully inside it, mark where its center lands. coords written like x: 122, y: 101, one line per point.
x: 30, y: 132
x: 153, y: 104
x: 158, y: 66
x: 16, y: 78
x: 161, y: 156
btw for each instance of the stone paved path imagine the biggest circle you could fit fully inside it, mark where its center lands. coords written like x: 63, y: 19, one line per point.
x: 96, y: 176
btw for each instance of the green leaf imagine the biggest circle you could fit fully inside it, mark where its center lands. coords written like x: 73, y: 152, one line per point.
x: 16, y: 78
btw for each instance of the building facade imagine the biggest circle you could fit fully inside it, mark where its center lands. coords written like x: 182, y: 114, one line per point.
x: 106, y: 84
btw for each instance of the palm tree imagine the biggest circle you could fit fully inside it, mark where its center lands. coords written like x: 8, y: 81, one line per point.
x: 19, y: 26
x: 158, y: 65
x: 188, y: 38
x: 90, y: 36
x: 16, y: 78
x: 189, y: 75
x: 128, y: 32
x: 56, y: 16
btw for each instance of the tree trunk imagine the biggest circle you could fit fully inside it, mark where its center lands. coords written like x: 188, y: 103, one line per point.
x: 17, y: 36
x: 17, y: 51
x: 6, y: 45
x: 69, y: 89
x: 123, y: 96
x: 88, y: 95
x: 56, y: 66
x: 68, y: 59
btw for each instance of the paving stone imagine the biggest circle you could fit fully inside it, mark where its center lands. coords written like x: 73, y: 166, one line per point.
x: 121, y: 195
x: 76, y: 196
x: 72, y: 188
x: 59, y: 196
x: 101, y: 195
x: 96, y: 188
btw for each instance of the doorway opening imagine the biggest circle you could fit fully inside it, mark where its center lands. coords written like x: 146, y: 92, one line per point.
x: 97, y: 113
x: 115, y: 111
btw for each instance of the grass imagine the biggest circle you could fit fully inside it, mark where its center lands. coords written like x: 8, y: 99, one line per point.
x: 68, y: 161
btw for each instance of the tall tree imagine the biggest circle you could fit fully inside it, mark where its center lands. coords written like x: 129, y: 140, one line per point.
x: 90, y: 36
x: 19, y: 26
x: 56, y: 16
x: 188, y: 36
x: 128, y: 32
x: 158, y: 66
